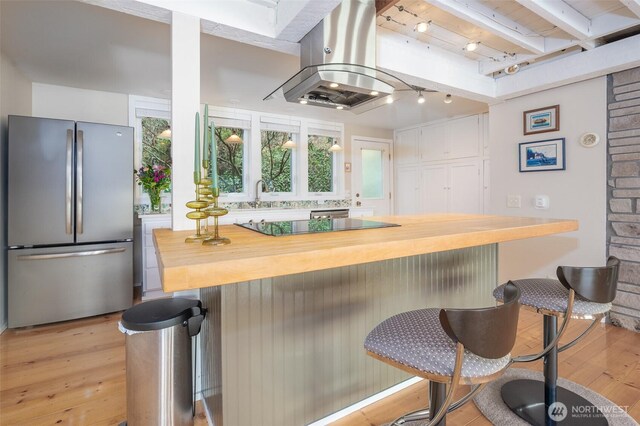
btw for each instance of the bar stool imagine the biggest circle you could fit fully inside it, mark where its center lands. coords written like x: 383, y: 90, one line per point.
x: 579, y: 293
x: 448, y: 346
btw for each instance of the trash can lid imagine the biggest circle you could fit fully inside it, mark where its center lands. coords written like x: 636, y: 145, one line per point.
x: 159, y: 314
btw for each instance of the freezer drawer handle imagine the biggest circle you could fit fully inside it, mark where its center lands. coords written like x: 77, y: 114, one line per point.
x: 68, y: 188
x: 71, y: 254
x: 79, y: 192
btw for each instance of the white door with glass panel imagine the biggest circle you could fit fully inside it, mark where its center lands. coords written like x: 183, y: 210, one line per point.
x: 371, y: 176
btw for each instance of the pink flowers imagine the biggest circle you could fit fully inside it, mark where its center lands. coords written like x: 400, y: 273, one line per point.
x: 154, y: 179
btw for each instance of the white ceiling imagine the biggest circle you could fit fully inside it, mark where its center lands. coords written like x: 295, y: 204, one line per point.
x: 81, y: 45
x: 249, y: 47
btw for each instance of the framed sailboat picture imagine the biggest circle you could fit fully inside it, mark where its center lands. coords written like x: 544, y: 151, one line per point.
x: 542, y: 156
x: 542, y: 120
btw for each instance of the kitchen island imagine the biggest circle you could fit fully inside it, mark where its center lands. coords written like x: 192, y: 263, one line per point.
x: 282, y: 343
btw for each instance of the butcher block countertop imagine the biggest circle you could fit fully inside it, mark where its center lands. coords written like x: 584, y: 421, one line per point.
x: 252, y: 256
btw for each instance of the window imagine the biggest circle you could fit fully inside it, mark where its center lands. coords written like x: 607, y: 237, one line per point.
x: 276, y: 161
x: 156, y: 142
x: 321, y: 161
x: 151, y: 119
x: 233, y: 170
x: 230, y: 160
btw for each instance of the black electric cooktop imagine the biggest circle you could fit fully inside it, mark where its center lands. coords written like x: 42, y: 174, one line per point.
x: 312, y: 226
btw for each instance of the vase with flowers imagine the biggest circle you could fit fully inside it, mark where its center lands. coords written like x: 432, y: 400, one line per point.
x: 154, y: 180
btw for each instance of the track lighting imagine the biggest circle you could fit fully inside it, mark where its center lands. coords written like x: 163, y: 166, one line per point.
x: 471, y: 46
x: 512, y: 69
x: 448, y: 99
x: 389, y: 99
x: 421, y: 98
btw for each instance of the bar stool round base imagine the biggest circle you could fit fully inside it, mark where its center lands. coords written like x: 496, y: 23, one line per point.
x: 526, y: 399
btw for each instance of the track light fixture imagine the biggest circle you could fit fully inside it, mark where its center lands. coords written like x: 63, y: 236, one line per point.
x: 448, y: 99
x: 389, y: 99
x: 421, y: 98
x: 512, y: 69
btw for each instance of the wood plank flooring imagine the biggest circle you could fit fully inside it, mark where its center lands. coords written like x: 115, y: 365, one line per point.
x: 73, y: 373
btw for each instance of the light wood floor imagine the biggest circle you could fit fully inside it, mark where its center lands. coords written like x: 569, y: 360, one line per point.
x: 74, y: 373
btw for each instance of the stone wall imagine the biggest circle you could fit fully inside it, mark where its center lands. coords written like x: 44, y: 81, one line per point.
x: 623, y: 218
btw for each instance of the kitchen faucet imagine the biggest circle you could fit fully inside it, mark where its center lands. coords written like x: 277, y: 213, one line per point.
x: 259, y: 189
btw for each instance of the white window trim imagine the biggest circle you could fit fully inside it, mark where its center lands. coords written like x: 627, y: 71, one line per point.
x: 338, y: 159
x: 152, y: 104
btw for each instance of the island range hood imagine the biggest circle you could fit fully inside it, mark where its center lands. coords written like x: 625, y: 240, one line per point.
x: 338, y: 62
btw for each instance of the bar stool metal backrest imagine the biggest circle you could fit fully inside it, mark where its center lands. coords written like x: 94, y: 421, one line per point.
x: 594, y: 284
x: 488, y: 332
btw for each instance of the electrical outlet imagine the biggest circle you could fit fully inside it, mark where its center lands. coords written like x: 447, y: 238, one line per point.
x: 541, y: 202
x: 514, y: 201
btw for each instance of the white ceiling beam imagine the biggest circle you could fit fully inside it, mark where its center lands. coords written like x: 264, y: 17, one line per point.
x: 484, y: 17
x: 295, y: 18
x: 432, y: 67
x: 607, y: 59
x: 561, y: 15
x: 149, y: 10
x: 632, y: 5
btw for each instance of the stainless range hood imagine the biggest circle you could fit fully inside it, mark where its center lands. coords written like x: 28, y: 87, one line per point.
x: 338, y: 60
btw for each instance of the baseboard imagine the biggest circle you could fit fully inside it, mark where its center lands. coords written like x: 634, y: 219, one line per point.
x: 3, y: 327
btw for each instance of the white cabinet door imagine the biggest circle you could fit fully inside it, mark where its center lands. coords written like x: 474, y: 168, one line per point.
x: 407, y: 190
x: 405, y: 147
x: 464, y: 137
x: 434, y: 142
x: 464, y: 184
x: 434, y: 193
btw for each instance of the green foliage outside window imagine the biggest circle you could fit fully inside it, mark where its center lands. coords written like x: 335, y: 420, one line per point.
x: 320, y: 164
x: 276, y: 161
x: 155, y: 150
x: 230, y: 160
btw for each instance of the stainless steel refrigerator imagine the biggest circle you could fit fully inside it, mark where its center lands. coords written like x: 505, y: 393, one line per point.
x: 70, y: 220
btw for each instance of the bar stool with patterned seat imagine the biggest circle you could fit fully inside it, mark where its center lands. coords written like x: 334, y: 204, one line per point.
x: 448, y: 346
x: 578, y: 293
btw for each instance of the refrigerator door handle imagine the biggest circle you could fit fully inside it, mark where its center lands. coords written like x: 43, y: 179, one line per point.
x: 69, y: 182
x: 79, y: 227
x: 71, y: 254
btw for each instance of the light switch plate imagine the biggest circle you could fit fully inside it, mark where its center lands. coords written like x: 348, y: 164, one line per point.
x: 514, y: 201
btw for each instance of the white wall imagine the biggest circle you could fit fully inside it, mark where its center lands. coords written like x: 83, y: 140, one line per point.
x: 69, y: 103
x: 579, y: 192
x: 15, y: 99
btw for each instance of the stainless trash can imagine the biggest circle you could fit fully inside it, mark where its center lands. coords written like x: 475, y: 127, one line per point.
x: 158, y: 360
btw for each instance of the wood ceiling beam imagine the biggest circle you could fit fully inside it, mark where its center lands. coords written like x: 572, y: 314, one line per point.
x: 486, y: 18
x: 632, y: 5
x: 383, y: 5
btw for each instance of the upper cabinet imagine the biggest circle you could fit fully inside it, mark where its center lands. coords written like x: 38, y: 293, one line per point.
x: 459, y: 138
x: 405, y: 148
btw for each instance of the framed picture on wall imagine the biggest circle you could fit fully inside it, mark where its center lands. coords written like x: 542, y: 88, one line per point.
x: 541, y: 120
x: 541, y: 156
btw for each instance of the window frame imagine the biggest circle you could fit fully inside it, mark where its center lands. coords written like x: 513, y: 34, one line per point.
x: 337, y: 179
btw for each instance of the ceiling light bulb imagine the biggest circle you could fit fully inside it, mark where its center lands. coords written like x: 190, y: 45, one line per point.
x: 421, y: 98
x: 421, y: 27
x: 389, y: 99
x: 303, y: 101
x: 333, y: 85
x: 447, y: 99
x: 512, y: 69
x: 339, y: 107
x: 471, y: 46
x: 374, y: 93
